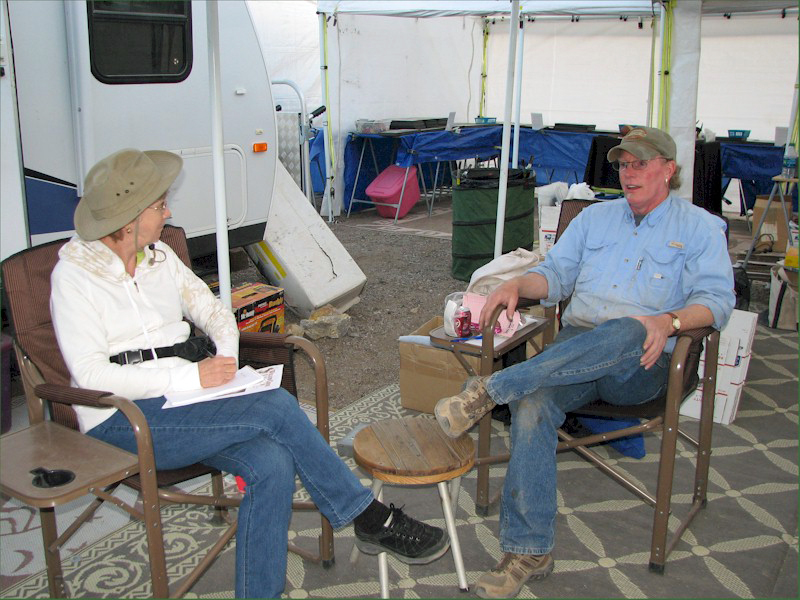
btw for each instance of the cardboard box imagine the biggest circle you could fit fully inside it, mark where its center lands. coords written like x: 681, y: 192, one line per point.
x: 256, y: 306
x: 428, y: 374
x: 548, y: 225
x: 271, y: 321
x: 775, y: 221
x: 733, y: 359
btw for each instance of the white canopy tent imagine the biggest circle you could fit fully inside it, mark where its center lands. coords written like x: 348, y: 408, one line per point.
x: 455, y: 43
x: 685, y: 47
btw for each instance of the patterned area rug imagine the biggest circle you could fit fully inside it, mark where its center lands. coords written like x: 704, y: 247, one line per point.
x: 744, y: 545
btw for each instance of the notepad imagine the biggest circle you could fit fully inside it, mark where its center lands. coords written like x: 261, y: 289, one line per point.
x: 246, y: 381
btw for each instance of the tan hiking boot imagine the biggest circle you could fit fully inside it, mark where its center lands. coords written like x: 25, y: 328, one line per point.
x: 511, y: 573
x: 458, y: 413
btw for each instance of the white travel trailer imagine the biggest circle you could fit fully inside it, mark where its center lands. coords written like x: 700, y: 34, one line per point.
x: 82, y: 79
x: 88, y: 78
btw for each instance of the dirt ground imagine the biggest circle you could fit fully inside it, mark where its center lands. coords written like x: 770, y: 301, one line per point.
x: 408, y: 277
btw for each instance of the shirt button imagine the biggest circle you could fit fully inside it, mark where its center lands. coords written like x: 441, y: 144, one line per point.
x: 626, y: 260
x: 635, y: 233
x: 613, y: 286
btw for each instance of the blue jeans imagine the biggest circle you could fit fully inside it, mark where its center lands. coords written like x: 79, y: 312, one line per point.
x: 580, y: 366
x: 266, y: 439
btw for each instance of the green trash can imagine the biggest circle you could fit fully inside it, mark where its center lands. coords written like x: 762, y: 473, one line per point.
x: 475, y: 217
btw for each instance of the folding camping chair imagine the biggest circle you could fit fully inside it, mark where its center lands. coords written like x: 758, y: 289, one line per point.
x: 99, y: 468
x: 661, y: 415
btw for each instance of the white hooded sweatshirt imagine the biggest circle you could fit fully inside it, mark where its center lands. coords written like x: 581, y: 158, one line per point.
x: 99, y: 310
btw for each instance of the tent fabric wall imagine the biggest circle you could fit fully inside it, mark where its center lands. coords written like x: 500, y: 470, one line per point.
x: 384, y: 67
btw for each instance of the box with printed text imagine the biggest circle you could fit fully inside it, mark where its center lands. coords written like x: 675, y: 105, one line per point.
x: 733, y: 359
x: 256, y: 306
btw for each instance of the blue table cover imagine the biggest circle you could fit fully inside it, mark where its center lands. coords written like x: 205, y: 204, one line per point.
x: 555, y: 155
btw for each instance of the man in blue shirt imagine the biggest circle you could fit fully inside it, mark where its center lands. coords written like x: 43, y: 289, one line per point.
x: 639, y: 270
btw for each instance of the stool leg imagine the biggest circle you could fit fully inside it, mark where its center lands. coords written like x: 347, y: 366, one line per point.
x: 451, y: 530
x: 383, y: 560
x: 455, y: 490
x: 377, y: 491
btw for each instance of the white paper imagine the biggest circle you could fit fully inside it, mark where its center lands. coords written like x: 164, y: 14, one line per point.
x: 246, y: 381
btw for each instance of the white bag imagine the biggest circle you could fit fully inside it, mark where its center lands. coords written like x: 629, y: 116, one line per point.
x: 501, y: 269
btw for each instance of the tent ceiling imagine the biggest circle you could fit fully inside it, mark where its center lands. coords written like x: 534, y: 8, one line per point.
x: 454, y: 8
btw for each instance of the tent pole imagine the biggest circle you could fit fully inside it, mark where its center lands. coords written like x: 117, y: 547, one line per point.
x: 501, y: 192
x: 652, y: 80
x: 518, y: 91
x: 482, y: 103
x: 217, y: 157
x: 323, y: 65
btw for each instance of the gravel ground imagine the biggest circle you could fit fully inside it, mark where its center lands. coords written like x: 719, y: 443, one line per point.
x: 408, y: 278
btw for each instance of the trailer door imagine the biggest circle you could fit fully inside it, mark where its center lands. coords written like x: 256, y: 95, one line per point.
x: 139, y: 78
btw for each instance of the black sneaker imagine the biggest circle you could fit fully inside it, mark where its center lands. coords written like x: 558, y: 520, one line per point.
x: 405, y: 538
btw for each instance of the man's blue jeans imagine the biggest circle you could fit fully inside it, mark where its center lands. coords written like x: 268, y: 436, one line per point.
x: 580, y: 366
x: 265, y: 438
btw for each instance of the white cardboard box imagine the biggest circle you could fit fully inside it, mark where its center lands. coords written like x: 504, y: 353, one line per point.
x: 548, y: 225
x: 733, y: 359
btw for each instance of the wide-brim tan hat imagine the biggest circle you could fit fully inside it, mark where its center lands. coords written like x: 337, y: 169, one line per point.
x: 120, y: 187
x: 645, y: 143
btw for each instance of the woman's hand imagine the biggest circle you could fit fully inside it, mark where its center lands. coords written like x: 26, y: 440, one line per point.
x: 216, y: 370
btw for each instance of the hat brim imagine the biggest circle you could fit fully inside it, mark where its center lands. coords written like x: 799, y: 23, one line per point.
x: 90, y: 229
x: 639, y: 149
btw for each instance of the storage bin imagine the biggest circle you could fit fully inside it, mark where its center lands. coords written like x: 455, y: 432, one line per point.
x: 739, y: 134
x: 475, y: 217
x: 385, y: 190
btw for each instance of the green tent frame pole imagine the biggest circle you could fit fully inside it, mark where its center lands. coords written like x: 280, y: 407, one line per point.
x: 482, y: 103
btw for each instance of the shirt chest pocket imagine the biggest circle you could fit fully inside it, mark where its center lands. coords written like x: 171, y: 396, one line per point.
x: 597, y: 260
x: 658, y: 279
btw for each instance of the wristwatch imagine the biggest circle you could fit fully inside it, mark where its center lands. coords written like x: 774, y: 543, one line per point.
x: 676, y: 322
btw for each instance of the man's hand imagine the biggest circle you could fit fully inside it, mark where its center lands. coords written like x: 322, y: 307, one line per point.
x: 507, y: 295
x: 216, y: 370
x: 659, y: 328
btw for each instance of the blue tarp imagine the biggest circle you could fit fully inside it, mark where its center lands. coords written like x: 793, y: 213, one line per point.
x: 556, y: 155
x: 754, y: 165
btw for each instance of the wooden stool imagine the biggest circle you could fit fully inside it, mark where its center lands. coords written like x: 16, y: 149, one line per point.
x: 413, y: 451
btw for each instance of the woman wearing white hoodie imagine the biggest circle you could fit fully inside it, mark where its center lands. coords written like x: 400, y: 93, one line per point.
x: 118, y: 295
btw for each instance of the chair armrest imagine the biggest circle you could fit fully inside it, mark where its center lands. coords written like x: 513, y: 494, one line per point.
x: 264, y: 343
x: 65, y: 394
x: 697, y: 334
x: 98, y: 399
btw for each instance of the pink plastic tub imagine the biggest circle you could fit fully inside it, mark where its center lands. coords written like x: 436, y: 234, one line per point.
x: 386, y: 187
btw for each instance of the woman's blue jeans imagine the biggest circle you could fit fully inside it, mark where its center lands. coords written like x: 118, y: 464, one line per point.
x: 266, y: 439
x: 582, y: 365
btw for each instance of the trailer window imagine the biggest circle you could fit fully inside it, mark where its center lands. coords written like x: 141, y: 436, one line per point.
x: 140, y: 41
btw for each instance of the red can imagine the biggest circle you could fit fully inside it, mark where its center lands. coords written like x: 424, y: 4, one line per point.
x: 461, y: 322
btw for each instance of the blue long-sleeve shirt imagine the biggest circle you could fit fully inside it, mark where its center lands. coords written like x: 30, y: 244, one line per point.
x: 613, y: 268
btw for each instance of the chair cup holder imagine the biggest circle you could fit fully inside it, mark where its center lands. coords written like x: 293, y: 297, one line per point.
x: 47, y: 478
